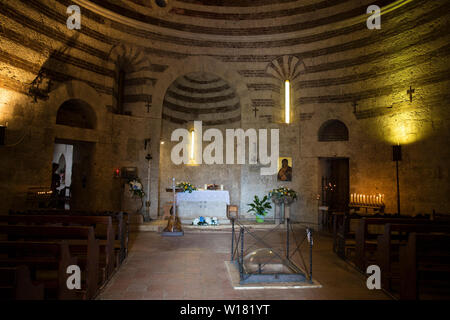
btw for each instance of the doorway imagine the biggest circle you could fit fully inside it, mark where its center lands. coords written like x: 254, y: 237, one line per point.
x: 335, y: 183
x: 74, y: 161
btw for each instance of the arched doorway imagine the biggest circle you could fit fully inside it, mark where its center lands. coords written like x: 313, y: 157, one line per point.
x: 73, y: 157
x: 335, y: 176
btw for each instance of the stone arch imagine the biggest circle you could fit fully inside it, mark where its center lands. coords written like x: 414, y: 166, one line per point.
x: 199, y: 64
x: 126, y: 60
x: 333, y: 130
x: 287, y: 67
x: 76, y: 113
x: 132, y: 56
x: 219, y: 106
x: 77, y: 90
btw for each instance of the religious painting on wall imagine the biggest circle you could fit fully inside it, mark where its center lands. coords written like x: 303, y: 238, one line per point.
x: 285, y: 169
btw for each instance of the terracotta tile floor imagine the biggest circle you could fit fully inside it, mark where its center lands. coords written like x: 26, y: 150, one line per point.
x: 192, y: 267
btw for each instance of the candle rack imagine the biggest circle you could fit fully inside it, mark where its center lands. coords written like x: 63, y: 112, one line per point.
x: 359, y: 201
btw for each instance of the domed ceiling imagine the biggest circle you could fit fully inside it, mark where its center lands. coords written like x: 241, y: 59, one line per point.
x: 241, y: 18
x: 201, y: 96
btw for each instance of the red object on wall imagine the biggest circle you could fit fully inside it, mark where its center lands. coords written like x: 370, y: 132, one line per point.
x: 117, y: 173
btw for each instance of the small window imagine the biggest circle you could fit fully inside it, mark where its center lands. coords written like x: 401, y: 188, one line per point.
x: 333, y: 130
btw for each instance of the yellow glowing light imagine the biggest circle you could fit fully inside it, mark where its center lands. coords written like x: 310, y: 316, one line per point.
x: 192, y: 143
x: 6, y: 97
x: 287, y: 102
x: 403, y: 129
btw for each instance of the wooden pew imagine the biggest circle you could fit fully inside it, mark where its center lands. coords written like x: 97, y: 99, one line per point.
x: 425, y: 267
x: 366, y: 240
x: 120, y: 225
x: 105, y: 235
x: 389, y: 243
x: 343, y: 235
x: 16, y: 284
x: 344, y: 231
x: 87, y: 253
x: 47, y: 261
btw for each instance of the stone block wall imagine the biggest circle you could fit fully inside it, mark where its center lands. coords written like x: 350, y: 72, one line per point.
x: 338, y: 70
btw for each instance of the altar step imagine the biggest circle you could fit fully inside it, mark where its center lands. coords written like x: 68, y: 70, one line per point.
x: 159, y: 225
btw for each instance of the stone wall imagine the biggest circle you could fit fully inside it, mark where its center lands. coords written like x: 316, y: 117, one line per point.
x: 338, y: 69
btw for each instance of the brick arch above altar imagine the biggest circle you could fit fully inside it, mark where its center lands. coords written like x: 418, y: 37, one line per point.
x: 200, y: 64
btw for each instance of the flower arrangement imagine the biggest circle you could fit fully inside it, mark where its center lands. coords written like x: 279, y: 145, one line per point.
x: 282, y: 193
x: 136, y: 188
x: 202, y: 221
x: 186, y: 186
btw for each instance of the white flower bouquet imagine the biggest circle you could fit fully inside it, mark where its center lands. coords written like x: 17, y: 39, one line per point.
x: 136, y: 188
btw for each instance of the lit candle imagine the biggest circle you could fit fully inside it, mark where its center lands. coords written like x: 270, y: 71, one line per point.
x: 206, y: 187
x: 351, y: 198
x: 221, y: 187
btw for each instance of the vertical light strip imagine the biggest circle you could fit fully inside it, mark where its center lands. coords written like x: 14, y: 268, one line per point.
x: 192, y: 144
x: 287, y: 102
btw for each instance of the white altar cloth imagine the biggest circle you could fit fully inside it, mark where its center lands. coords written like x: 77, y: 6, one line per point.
x: 206, y: 195
x: 208, y: 203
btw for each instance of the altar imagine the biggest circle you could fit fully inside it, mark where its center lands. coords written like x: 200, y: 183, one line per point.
x: 205, y: 203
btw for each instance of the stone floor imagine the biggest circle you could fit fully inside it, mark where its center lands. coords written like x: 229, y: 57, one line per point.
x: 193, y: 267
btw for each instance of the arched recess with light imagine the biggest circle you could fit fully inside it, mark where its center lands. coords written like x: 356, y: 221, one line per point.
x: 284, y: 72
x: 333, y: 130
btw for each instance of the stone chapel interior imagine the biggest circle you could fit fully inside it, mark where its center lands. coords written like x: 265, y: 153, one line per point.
x: 91, y: 93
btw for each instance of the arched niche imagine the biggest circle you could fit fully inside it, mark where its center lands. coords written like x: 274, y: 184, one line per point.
x: 333, y: 130
x: 76, y: 113
x: 201, y: 96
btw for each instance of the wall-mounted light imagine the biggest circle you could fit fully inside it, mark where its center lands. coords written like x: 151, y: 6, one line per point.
x: 2, y: 135
x: 117, y: 173
x: 397, y: 156
x: 162, y: 142
x: 287, y: 101
x: 192, y: 144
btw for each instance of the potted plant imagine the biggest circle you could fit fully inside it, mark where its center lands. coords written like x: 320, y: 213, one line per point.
x: 259, y: 207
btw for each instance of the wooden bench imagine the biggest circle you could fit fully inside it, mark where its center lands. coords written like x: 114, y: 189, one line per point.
x: 345, y: 226
x: 366, y: 236
x: 389, y: 243
x: 119, y: 219
x: 16, y: 284
x: 81, y: 241
x: 102, y: 226
x: 344, y: 232
x: 425, y: 267
x: 47, y: 262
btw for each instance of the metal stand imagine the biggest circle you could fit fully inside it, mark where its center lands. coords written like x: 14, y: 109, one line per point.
x: 147, y: 203
x: 289, y: 272
x: 398, y: 189
x: 173, y: 228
